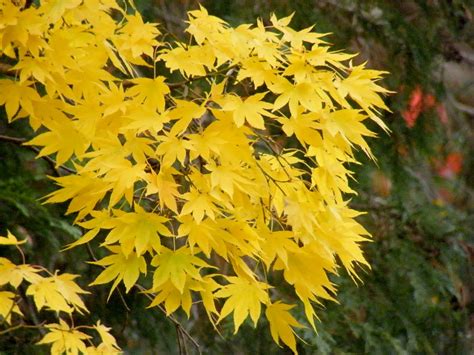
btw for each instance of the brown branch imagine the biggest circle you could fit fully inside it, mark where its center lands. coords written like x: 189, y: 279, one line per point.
x: 14, y: 140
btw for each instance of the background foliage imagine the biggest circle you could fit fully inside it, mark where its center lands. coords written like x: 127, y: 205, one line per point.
x: 418, y: 296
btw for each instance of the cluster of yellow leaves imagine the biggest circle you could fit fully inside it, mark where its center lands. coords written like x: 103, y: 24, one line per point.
x: 53, y: 292
x: 228, y: 151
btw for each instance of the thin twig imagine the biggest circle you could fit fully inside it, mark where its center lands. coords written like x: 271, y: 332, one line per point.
x: 179, y: 339
x: 170, y: 317
x: 14, y: 140
x: 11, y: 329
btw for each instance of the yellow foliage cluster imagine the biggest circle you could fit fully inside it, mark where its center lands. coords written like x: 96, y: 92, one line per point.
x: 218, y: 164
x: 53, y: 292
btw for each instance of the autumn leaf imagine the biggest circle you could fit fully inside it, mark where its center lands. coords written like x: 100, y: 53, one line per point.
x: 64, y: 339
x: 303, y: 94
x: 119, y: 267
x: 10, y: 239
x: 63, y: 138
x: 175, y: 266
x: 206, y: 235
x: 8, y: 306
x: 252, y: 109
x: 15, y: 274
x: 199, y: 205
x: 167, y: 189
x: 184, y: 112
x: 58, y: 293
x: 172, y: 149
x: 109, y: 344
x: 243, y: 298
x: 15, y: 95
x: 282, y: 323
x: 150, y: 92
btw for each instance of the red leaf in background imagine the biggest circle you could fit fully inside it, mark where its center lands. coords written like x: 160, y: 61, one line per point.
x: 420, y: 102
x: 416, y: 98
x: 414, y: 107
x: 429, y: 101
x: 410, y: 117
x: 442, y: 113
x: 452, y: 166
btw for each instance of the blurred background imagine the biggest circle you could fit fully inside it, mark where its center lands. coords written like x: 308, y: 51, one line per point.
x: 419, y: 296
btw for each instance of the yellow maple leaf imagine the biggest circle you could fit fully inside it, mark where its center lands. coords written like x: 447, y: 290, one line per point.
x: 145, y: 119
x: 150, y: 92
x: 33, y: 67
x: 244, y: 298
x: 167, y: 189
x: 10, y: 239
x: 64, y: 339
x: 361, y: 86
x: 119, y: 267
x: 171, y: 149
x: 207, y: 144
x: 122, y: 176
x: 176, y: 265
x: 62, y: 138
x: 58, y: 293
x: 15, y: 274
x: 184, y: 112
x: 252, y: 109
x: 109, y: 344
x: 199, y: 205
x: 139, y: 230
x: 173, y: 298
x: 55, y: 9
x: 294, y: 95
x: 189, y: 60
x: 282, y: 323
x: 136, y: 38
x: 8, y: 306
x: 84, y: 190
x: 260, y: 72
x: 15, y: 95
x: 349, y: 124
x: 308, y: 285
x: 277, y: 244
x: 206, y: 235
x: 202, y: 25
